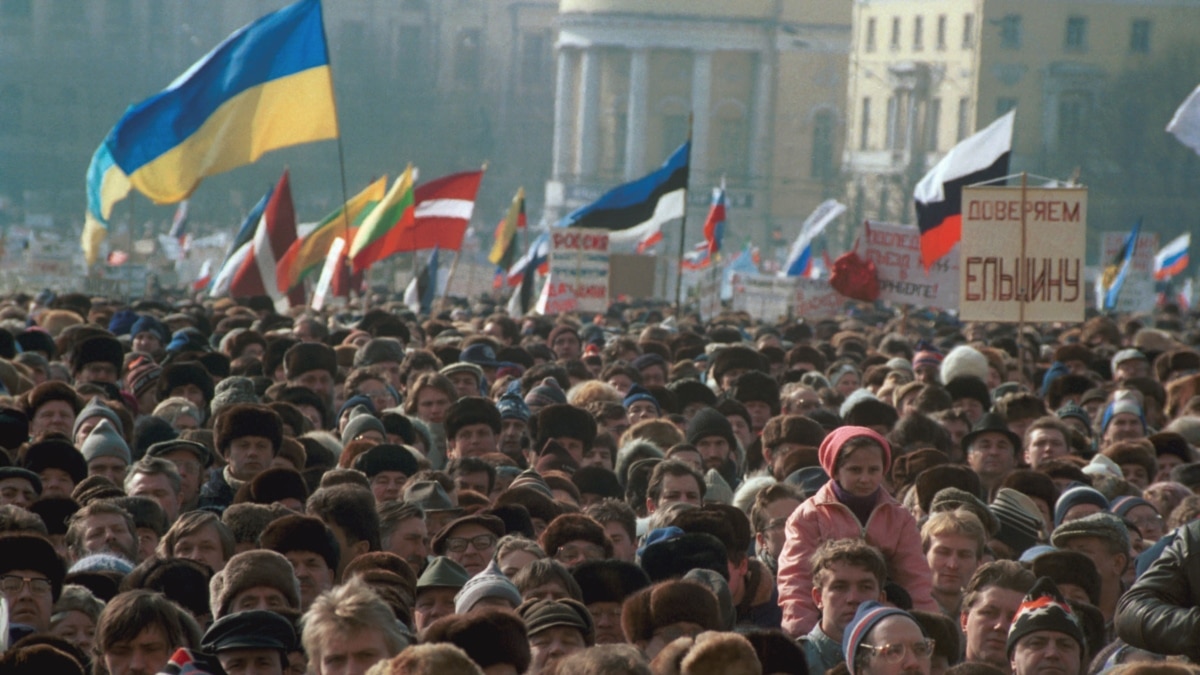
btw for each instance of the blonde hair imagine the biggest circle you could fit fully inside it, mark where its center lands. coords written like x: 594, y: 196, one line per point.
x: 436, y: 659
x: 660, y: 432
x: 592, y: 391
x: 347, y: 609
x: 959, y: 521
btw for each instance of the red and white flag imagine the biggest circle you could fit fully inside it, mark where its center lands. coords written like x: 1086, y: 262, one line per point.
x: 117, y: 258
x: 275, y: 232
x: 442, y: 209
x: 204, y: 277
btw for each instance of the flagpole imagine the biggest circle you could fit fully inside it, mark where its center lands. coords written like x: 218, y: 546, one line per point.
x: 683, y: 232
x: 345, y: 268
x: 454, y: 264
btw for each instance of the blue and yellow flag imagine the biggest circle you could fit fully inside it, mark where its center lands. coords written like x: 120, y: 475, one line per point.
x: 267, y: 86
x: 1113, y: 277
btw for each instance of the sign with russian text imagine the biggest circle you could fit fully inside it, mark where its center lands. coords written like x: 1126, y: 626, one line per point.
x: 815, y: 299
x: 762, y: 297
x: 1137, y: 293
x: 1037, y: 276
x: 579, y: 263
x: 896, y: 252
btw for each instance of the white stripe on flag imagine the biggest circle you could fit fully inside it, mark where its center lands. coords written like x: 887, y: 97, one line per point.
x: 232, y: 265
x: 264, y: 258
x: 1185, y: 125
x: 669, y: 207
x: 444, y: 208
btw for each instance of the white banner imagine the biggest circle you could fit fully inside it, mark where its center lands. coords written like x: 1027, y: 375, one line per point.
x: 765, y: 298
x: 815, y: 299
x: 896, y: 252
x: 579, y: 262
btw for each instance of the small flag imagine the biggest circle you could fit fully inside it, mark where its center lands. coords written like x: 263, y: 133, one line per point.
x: 714, y: 224
x: 1114, y: 274
x: 423, y: 288
x: 1185, y: 296
x: 179, y: 222
x: 650, y: 241
x: 1172, y: 259
x: 536, y: 257
x: 117, y: 258
x: 506, y: 231
x: 240, y: 248
x: 799, y: 260
x: 979, y: 158
x: 698, y: 258
x: 203, y: 278
x: 1185, y: 125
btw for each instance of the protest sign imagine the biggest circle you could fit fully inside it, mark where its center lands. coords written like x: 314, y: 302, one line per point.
x: 1010, y: 277
x: 1137, y: 292
x: 896, y: 252
x: 815, y: 299
x: 765, y: 298
x: 579, y: 262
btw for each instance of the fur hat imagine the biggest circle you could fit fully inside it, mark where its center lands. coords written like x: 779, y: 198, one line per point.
x: 1033, y: 484
x: 1045, y: 609
x: 247, y: 419
x: 250, y: 569
x: 571, y: 527
x: 1070, y: 567
x: 964, y: 361
x: 273, y: 485
x: 1103, y: 526
x: 386, y: 457
x: 379, y: 350
x: 973, y: 388
x: 183, y: 373
x: 666, y: 603
x: 669, y: 553
x: 688, y: 392
x: 758, y: 386
x: 489, y: 636
x: 55, y: 454
x: 948, y: 499
x: 105, y: 441
x: 32, y: 552
x: 597, y: 480
x: 301, y: 533
x: 563, y: 420
x: 737, y: 357
x: 308, y: 356
x: 470, y: 410
x: 54, y: 512
x: 1140, y: 452
x: 796, y: 429
x: 868, y: 411
x: 98, y: 348
x: 52, y: 390
x: 609, y: 580
x: 720, y: 653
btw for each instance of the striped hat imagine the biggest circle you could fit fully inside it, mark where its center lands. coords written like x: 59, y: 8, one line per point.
x: 869, y: 613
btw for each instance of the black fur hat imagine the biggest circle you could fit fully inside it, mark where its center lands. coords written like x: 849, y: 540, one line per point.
x: 247, y: 419
x: 301, y: 533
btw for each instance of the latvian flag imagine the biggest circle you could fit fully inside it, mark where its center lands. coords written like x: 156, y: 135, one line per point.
x: 1173, y: 258
x: 979, y: 158
x: 633, y: 211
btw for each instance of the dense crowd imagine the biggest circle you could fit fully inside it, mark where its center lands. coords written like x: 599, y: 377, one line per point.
x: 213, y: 487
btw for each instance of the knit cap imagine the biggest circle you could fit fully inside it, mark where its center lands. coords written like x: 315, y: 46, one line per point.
x: 547, y: 392
x: 710, y: 422
x: 97, y: 408
x: 231, y: 390
x: 104, y: 441
x: 142, y: 375
x: 1118, y: 406
x: 1044, y: 609
x: 639, y: 393
x: 868, y: 615
x: 1020, y: 520
x: 1075, y: 496
x: 512, y: 407
x: 489, y: 583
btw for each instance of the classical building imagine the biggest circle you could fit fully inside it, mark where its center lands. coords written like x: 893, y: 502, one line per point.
x: 924, y: 74
x: 763, y: 84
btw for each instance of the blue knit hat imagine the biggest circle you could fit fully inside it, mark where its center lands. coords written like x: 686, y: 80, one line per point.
x: 512, y: 407
x: 148, y: 324
x: 639, y: 393
x: 868, y: 615
x: 1121, y: 405
x: 1075, y: 496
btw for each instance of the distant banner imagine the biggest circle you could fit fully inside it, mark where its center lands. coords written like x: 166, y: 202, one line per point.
x: 815, y: 299
x: 896, y: 252
x: 579, y: 262
x: 764, y: 298
x: 1137, y: 293
x: 993, y: 274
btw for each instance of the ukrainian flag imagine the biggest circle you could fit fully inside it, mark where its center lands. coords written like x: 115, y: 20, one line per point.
x: 267, y: 86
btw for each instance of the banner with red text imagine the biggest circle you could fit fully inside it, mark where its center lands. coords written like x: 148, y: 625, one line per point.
x: 579, y: 263
x: 997, y: 282
x: 815, y: 299
x: 896, y: 252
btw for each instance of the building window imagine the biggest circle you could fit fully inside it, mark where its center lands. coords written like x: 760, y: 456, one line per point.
x: 893, y: 114
x: 968, y: 40
x: 1072, y: 118
x: 534, y: 58
x: 16, y: 9
x: 733, y: 143
x: 964, y: 119
x: 871, y: 34
x: 918, y: 33
x: 1010, y: 31
x: 675, y: 132
x: 466, y: 56
x: 933, y: 121
x: 1005, y: 104
x: 864, y: 134
x: 1139, y: 36
x: 941, y: 32
x: 822, y: 146
x: 895, y: 32
x: 1076, y: 38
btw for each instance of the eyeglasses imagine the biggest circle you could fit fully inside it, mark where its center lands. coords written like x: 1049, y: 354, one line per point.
x: 572, y: 552
x: 11, y: 584
x: 479, y: 543
x: 1147, y: 521
x: 893, y: 652
x: 378, y: 395
x: 775, y: 524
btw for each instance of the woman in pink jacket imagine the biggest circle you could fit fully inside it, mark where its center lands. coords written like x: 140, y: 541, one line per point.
x: 853, y: 504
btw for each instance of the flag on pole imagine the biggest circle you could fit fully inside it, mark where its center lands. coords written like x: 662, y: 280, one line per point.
x: 305, y: 258
x: 1185, y: 295
x: 536, y: 258
x: 1185, y: 125
x: 799, y: 260
x: 635, y: 210
x: 698, y: 258
x: 179, y: 223
x: 394, y: 211
x: 521, y: 300
x: 714, y: 224
x: 649, y: 241
x: 423, y: 289
x: 1172, y: 259
x: 1113, y: 277
x: 240, y: 248
x: 504, y: 248
x: 204, y: 277
x: 275, y: 232
x: 267, y: 86
x: 978, y: 158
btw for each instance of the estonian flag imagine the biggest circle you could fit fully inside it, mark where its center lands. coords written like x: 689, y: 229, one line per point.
x: 1114, y: 274
x: 979, y: 158
x: 634, y: 210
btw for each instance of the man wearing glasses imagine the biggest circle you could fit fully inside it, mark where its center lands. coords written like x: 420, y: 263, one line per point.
x: 883, y: 640
x: 31, y: 576
x: 470, y: 541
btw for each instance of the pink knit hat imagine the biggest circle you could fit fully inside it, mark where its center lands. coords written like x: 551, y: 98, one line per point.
x: 837, y: 439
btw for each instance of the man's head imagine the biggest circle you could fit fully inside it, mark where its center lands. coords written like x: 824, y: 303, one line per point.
x: 846, y: 573
x: 139, y: 630
x: 473, y: 426
x: 248, y: 436
x: 883, y: 640
x: 1123, y: 419
x: 311, y: 549
x: 157, y: 479
x: 349, y: 629
x: 772, y: 507
x: 556, y: 629
x: 990, y: 601
x: 656, y: 616
x: 31, y: 579
x: 97, y: 359
x: 200, y: 536
x: 254, y: 642
x: 254, y: 580
x: 311, y: 365
x: 436, y: 589
x: 953, y: 542
x: 712, y: 434
x: 349, y: 512
x: 102, y: 527
x: 1102, y: 537
x: 991, y: 448
x: 19, y: 487
x: 671, y: 481
x: 402, y: 531
x: 572, y: 428
x: 1046, y: 438
x: 1046, y: 636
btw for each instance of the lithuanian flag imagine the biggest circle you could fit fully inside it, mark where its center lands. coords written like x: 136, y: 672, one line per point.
x: 378, y: 236
x: 305, y: 257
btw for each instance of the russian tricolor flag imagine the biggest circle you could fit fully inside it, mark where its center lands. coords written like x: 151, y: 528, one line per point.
x: 714, y: 225
x: 1173, y: 258
x: 799, y: 260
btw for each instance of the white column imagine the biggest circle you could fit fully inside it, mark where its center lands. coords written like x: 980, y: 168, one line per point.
x: 635, y: 116
x: 588, y: 115
x: 563, y: 96
x: 701, y: 105
x: 760, y: 120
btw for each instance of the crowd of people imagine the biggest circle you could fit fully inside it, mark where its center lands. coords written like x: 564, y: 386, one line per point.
x: 212, y: 487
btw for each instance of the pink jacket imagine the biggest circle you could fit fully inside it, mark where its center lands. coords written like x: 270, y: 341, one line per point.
x: 891, y: 529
